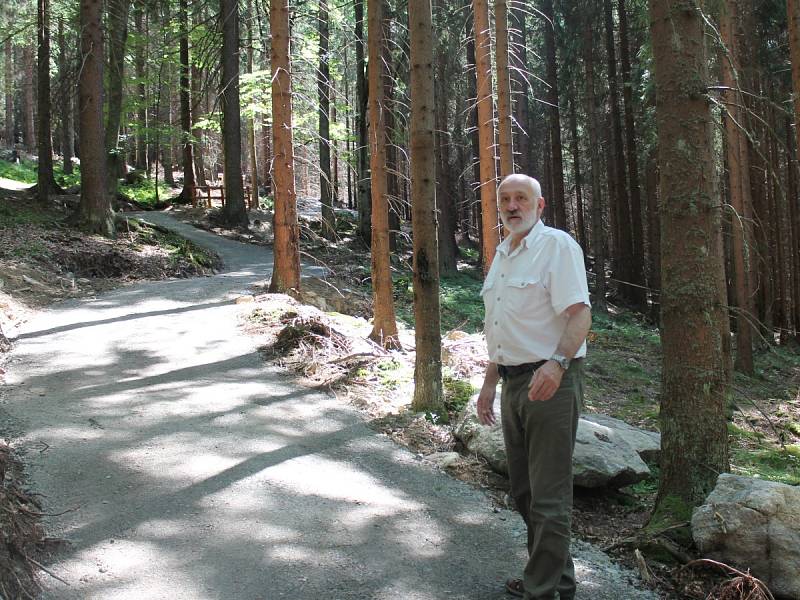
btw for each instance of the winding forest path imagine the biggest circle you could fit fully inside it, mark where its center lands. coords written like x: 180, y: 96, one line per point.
x: 190, y: 469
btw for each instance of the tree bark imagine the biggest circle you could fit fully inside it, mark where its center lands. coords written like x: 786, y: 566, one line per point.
x: 95, y: 215
x: 140, y: 66
x: 694, y: 335
x: 8, y: 51
x: 28, y: 101
x: 519, y: 85
x: 67, y: 92
x: 504, y: 116
x: 384, y: 328
x: 188, y: 192
x: 45, y: 182
x: 599, y: 304
x: 557, y: 199
x: 428, y: 365
x: 580, y: 224
x: 234, y: 212
x: 117, y: 19
x: 739, y: 185
x: 363, y: 197
x: 638, y: 292
x: 323, y: 93
x: 619, y: 206
x: 286, y: 274
x: 488, y: 173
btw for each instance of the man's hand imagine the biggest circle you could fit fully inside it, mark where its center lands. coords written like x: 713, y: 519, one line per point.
x: 545, y: 381
x: 486, y: 405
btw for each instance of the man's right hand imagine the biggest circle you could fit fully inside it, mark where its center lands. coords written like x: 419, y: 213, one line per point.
x: 486, y: 405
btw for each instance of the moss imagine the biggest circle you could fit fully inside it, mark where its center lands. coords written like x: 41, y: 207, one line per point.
x: 457, y: 393
x: 773, y: 464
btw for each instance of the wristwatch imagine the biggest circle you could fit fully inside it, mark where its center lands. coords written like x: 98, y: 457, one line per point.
x: 562, y: 361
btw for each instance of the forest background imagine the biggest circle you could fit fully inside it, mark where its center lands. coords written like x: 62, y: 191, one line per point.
x: 664, y: 137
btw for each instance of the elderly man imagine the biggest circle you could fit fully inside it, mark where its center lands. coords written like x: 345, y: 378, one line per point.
x: 537, y: 319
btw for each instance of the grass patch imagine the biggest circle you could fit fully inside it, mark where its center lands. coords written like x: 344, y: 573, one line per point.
x: 773, y: 464
x: 459, y: 297
x: 457, y: 393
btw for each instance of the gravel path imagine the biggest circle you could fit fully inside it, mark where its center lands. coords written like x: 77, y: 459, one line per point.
x: 190, y: 469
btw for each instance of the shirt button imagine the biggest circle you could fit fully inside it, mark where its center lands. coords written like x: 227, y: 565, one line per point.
x: 498, y: 298
x: 502, y: 275
x: 495, y: 322
x: 499, y: 345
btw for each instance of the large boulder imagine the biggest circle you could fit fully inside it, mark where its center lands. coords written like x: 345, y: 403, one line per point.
x: 607, y: 450
x: 753, y: 524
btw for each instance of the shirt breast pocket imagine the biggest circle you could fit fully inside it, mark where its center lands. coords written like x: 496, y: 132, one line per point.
x: 525, y: 294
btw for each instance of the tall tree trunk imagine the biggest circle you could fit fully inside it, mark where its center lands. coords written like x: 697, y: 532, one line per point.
x: 141, y: 91
x: 384, y: 328
x: 428, y: 365
x: 45, y: 181
x: 95, y: 214
x: 448, y: 249
x: 195, y: 111
x: 519, y: 85
x: 504, y: 116
x: 28, y: 101
x: 794, y: 212
x: 739, y: 184
x: 323, y: 93
x: 66, y: 86
x: 624, y: 250
x: 186, y: 105
x: 286, y: 274
x: 793, y: 14
x: 234, y: 213
x: 598, y: 228
x: 654, y: 237
x: 695, y: 338
x: 488, y: 173
x: 474, y: 137
x: 557, y: 199
x: 638, y: 292
x: 580, y: 224
x: 117, y: 20
x: 8, y: 51
x: 363, y: 198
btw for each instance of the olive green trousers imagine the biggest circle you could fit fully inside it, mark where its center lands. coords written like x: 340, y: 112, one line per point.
x: 539, y: 439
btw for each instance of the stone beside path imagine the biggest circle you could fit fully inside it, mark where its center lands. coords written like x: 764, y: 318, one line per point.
x: 189, y: 469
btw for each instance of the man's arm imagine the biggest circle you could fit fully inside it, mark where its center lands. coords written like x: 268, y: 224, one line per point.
x: 547, y: 378
x: 487, y: 395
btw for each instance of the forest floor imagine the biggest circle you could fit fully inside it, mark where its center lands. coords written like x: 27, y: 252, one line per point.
x: 43, y: 261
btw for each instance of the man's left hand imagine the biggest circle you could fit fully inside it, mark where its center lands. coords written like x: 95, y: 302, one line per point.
x: 545, y: 381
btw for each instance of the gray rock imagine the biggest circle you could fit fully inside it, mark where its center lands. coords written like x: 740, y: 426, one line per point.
x: 753, y: 524
x: 444, y: 460
x: 606, y: 449
x: 646, y: 443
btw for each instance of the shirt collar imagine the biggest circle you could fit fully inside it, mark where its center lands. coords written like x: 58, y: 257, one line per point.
x: 527, y: 241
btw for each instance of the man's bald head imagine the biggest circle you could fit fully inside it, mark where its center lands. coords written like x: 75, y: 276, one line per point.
x: 520, y: 181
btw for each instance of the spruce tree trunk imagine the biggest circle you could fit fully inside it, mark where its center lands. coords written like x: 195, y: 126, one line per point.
x: 598, y: 227
x: 428, y: 394
x: 504, y: 117
x: 618, y: 187
x: 739, y: 185
x: 8, y: 51
x: 694, y: 335
x: 363, y: 197
x: 323, y: 94
x: 94, y: 214
x: 286, y: 273
x: 28, y: 100
x: 580, y: 224
x: 556, y: 200
x: 519, y: 86
x: 141, y: 90
x: 45, y: 182
x: 384, y: 328
x: 186, y: 105
x: 66, y: 87
x: 638, y: 292
x: 118, y: 37
x: 653, y: 237
x: 488, y: 174
x: 234, y: 214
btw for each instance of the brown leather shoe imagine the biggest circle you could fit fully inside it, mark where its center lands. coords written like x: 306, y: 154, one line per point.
x: 515, y: 587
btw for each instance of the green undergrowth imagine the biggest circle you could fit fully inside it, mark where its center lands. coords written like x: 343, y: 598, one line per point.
x: 144, y: 192
x: 14, y: 214
x: 26, y: 171
x: 176, y: 246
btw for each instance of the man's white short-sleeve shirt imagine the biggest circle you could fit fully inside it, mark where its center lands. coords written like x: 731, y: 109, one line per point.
x: 526, y: 292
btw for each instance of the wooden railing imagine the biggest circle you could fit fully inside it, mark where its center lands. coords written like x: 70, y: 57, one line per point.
x: 206, y: 194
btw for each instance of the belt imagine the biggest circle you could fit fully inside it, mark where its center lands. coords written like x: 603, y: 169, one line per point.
x: 506, y: 372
